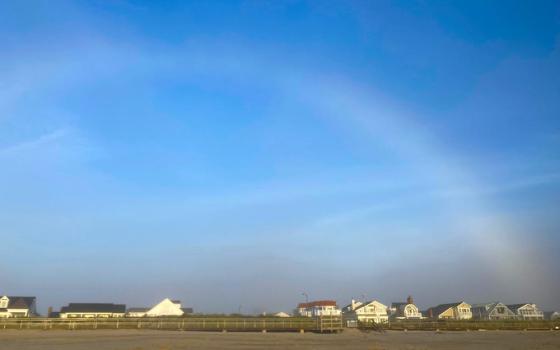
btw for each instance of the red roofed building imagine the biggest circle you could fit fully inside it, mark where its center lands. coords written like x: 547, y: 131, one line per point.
x: 318, y: 308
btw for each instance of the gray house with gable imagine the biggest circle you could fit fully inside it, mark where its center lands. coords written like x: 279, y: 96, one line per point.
x: 492, y: 311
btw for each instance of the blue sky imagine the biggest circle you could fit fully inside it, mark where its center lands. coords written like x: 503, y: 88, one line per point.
x: 240, y: 153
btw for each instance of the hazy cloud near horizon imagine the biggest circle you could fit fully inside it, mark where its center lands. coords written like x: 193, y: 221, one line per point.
x: 242, y: 153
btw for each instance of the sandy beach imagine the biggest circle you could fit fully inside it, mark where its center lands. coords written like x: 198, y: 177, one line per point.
x: 349, y: 339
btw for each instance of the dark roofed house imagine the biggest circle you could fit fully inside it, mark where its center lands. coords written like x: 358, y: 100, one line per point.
x: 17, y: 306
x: 187, y: 310
x: 527, y: 311
x: 405, y: 310
x: 452, y: 311
x: 492, y: 311
x: 88, y: 310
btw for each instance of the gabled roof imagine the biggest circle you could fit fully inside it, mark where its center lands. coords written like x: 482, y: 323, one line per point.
x: 20, y: 302
x: 489, y: 307
x: 94, y: 308
x: 517, y: 306
x: 437, y: 310
x: 369, y: 303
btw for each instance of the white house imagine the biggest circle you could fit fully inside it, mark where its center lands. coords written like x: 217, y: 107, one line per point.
x: 527, y: 311
x: 166, y: 307
x: 492, y: 311
x: 14, y: 306
x: 92, y: 310
x: 318, y: 308
x: 405, y: 310
x: 368, y: 312
x: 453, y: 311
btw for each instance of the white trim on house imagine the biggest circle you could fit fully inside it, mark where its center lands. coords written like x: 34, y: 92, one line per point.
x: 527, y: 311
x: 369, y: 312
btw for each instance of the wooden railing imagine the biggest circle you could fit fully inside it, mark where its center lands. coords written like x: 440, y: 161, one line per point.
x: 191, y: 323
x: 324, y: 324
x: 467, y: 325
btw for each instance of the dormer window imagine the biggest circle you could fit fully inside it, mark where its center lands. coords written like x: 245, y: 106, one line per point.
x: 4, y: 302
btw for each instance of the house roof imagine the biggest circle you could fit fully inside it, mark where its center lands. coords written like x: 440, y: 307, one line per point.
x: 187, y: 310
x: 517, y: 306
x: 94, y: 307
x: 487, y: 306
x: 176, y: 301
x: 317, y: 303
x: 368, y: 303
x: 437, y: 310
x: 20, y: 302
x: 356, y: 303
x: 397, y: 305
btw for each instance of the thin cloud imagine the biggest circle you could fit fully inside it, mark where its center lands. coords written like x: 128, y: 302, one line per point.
x: 40, y: 141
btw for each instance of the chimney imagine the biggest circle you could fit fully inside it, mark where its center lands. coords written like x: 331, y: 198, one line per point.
x: 353, y: 304
x: 409, y: 300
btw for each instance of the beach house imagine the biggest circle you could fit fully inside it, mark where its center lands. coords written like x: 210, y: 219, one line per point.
x: 405, y: 310
x: 91, y: 310
x: 453, y: 311
x: 526, y: 311
x: 165, y: 308
x: 318, y: 308
x: 492, y: 311
x: 15, y: 306
x: 366, y: 312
